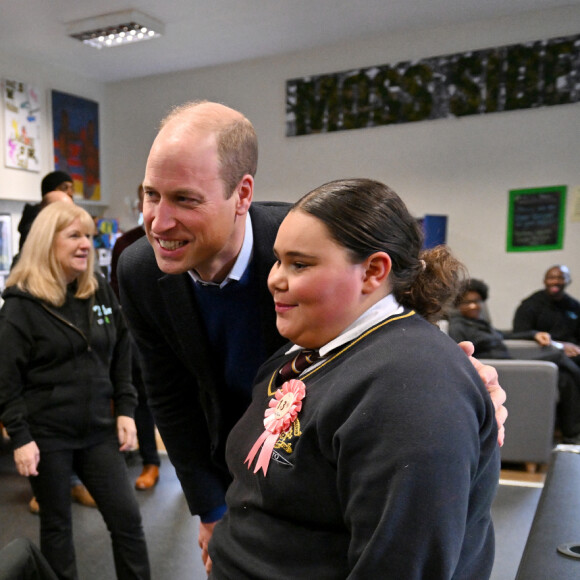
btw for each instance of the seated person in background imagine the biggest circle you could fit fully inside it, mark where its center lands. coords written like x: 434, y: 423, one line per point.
x: 467, y: 324
x: 552, y: 310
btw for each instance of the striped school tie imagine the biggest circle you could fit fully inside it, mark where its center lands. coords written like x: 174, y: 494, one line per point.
x: 295, y: 366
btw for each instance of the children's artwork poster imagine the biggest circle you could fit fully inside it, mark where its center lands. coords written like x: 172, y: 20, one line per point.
x: 21, y: 126
x: 536, y: 219
x: 75, y: 125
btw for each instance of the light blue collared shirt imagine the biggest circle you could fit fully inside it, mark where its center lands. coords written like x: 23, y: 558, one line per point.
x: 241, y: 262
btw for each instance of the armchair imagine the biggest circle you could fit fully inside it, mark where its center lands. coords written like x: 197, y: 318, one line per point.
x: 532, y: 394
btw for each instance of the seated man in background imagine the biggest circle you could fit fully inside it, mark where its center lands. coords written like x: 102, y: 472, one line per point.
x: 467, y: 323
x: 552, y: 310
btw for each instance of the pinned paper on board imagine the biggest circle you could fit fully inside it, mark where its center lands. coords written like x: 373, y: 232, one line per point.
x: 21, y: 126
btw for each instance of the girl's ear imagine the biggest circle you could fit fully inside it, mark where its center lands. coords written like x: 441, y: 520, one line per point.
x: 377, y: 268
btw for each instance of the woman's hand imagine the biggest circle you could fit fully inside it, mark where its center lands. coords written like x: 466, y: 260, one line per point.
x: 27, y: 458
x: 498, y: 396
x: 127, y: 433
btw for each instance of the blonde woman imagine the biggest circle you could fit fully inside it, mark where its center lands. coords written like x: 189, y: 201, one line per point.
x: 66, y: 397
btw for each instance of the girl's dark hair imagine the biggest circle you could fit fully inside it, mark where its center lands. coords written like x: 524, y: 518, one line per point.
x: 366, y: 216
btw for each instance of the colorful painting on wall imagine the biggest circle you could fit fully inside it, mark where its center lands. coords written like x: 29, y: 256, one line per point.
x: 21, y: 126
x: 75, y: 126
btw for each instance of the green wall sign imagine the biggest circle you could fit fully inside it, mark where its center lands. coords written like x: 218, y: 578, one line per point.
x: 536, y: 219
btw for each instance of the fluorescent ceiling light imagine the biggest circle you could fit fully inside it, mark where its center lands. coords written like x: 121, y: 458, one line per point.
x: 115, y: 29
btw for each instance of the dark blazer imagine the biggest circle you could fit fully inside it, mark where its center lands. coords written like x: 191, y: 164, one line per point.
x: 185, y: 387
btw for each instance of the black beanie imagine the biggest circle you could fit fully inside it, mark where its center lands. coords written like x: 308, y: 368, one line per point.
x: 53, y: 180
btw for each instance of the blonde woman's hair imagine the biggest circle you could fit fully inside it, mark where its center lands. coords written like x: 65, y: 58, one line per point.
x: 37, y: 271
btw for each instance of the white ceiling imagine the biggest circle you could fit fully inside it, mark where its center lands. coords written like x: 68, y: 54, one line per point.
x: 203, y: 33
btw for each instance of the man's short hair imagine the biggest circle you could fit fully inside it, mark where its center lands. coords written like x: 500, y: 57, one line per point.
x: 237, y: 142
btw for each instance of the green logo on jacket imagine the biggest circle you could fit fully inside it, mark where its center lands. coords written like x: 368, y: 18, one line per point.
x: 103, y: 314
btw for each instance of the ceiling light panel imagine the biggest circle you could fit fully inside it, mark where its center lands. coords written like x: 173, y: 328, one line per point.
x: 115, y: 29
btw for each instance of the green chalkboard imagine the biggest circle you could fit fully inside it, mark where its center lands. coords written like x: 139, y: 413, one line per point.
x: 536, y: 219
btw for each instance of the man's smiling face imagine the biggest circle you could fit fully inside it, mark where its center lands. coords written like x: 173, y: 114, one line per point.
x: 555, y: 281
x: 188, y: 219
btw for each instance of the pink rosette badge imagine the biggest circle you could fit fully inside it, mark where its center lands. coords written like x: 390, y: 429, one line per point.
x: 282, y: 411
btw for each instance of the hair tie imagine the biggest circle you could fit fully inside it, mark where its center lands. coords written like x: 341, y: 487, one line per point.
x: 423, y: 265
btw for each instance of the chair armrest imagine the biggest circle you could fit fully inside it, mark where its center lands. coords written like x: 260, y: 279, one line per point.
x: 531, y: 387
x: 526, y: 349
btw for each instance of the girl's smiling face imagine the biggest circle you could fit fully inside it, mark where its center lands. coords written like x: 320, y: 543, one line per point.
x: 317, y: 290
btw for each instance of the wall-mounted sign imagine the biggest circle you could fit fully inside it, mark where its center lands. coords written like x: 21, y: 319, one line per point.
x: 520, y: 76
x: 536, y: 219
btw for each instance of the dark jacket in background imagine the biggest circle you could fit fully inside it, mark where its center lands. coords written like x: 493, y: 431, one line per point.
x: 29, y: 214
x: 561, y: 318
x: 64, y: 372
x: 122, y: 243
x: 487, y: 341
x: 186, y: 388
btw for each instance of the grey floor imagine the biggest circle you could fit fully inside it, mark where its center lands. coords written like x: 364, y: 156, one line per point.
x: 170, y: 530
x: 172, y: 533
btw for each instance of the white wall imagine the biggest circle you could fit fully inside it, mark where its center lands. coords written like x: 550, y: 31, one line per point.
x: 18, y: 186
x: 459, y: 167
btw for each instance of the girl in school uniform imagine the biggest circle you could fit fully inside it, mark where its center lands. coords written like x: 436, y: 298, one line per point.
x: 354, y: 467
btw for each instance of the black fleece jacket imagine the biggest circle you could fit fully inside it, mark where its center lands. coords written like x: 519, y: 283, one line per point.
x: 64, y: 372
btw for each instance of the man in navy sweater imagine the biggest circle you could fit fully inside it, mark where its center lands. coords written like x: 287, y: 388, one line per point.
x: 195, y: 294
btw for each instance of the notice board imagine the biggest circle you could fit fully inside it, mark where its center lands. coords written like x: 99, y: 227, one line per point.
x: 536, y: 219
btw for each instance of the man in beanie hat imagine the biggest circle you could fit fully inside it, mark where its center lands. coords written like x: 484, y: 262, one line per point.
x: 54, y: 181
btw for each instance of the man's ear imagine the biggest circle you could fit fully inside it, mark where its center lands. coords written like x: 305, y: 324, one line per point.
x: 377, y: 269
x: 245, y: 193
